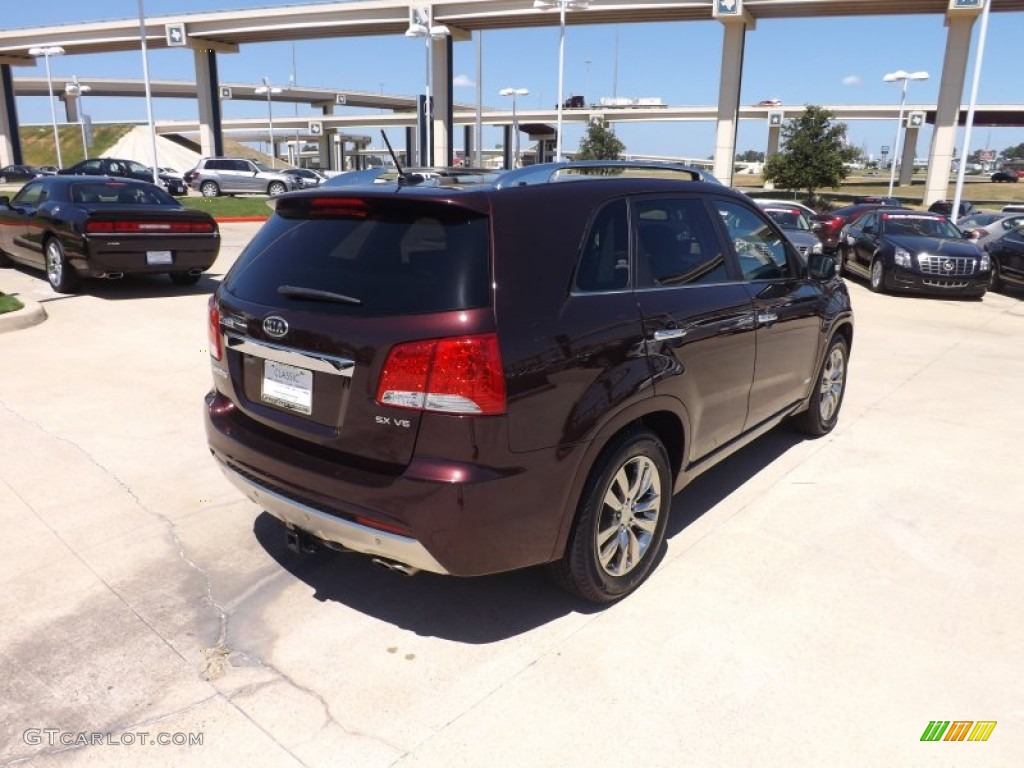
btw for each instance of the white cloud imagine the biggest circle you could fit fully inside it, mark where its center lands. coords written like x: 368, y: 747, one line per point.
x: 852, y: 80
x: 461, y: 81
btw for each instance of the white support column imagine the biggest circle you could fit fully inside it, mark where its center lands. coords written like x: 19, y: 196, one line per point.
x: 326, y: 142
x: 206, y: 94
x: 951, y: 90
x: 9, y: 143
x: 735, y: 22
x: 70, y: 106
x: 441, y: 77
x: 909, y: 153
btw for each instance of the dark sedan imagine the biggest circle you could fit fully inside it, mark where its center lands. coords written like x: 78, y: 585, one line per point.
x: 905, y: 250
x: 94, y: 226
x: 126, y: 169
x: 1007, y: 253
x: 19, y: 173
x: 828, y: 225
x: 1005, y: 176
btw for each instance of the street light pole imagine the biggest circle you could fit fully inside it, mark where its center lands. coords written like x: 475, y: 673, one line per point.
x: 563, y: 6
x: 514, y: 93
x: 149, y: 93
x: 904, y: 77
x: 268, y: 89
x: 424, y: 27
x: 46, y: 51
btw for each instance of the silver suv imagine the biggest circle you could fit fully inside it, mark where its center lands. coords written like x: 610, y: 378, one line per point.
x: 214, y: 176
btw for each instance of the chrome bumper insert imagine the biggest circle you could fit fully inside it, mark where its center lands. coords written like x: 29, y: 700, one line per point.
x: 358, y: 538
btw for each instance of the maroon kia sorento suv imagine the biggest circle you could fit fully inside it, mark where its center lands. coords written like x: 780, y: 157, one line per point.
x: 473, y: 378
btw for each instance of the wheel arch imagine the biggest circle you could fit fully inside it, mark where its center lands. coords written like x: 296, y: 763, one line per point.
x: 664, y: 416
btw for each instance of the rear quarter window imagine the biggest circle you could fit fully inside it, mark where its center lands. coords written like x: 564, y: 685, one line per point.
x: 395, y: 258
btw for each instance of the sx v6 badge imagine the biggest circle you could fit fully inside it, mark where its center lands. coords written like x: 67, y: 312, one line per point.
x: 387, y: 420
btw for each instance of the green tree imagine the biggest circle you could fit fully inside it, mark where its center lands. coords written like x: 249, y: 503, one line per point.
x: 750, y: 156
x: 813, y: 152
x: 1014, y: 153
x: 600, y: 143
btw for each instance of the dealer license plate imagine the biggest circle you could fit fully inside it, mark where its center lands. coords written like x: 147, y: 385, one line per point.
x: 287, y: 387
x: 159, y: 257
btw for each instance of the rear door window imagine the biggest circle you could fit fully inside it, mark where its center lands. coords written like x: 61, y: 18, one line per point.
x: 388, y: 257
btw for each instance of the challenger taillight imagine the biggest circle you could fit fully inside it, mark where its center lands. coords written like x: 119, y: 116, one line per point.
x: 213, y: 329
x: 128, y: 226
x: 463, y: 374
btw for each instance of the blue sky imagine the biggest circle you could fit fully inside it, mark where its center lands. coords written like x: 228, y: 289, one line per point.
x: 830, y: 61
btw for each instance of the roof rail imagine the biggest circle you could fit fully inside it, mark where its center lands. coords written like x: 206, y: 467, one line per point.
x: 545, y: 173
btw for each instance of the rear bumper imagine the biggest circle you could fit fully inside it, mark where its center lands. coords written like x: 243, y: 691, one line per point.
x: 131, y: 259
x: 481, y: 515
x: 350, y: 535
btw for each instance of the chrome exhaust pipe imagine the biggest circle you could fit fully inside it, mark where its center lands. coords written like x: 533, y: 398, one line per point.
x: 394, y: 565
x: 195, y: 271
x: 114, y: 275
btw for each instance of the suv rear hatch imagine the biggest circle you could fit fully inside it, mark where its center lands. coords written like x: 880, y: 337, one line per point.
x: 348, y: 317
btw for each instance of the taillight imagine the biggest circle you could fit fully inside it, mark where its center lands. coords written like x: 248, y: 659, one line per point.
x: 117, y: 226
x: 213, y: 329
x: 463, y: 374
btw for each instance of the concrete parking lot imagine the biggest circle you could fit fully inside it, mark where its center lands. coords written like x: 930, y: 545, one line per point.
x: 819, y: 603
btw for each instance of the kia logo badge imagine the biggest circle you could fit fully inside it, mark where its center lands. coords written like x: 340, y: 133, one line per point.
x: 275, y: 326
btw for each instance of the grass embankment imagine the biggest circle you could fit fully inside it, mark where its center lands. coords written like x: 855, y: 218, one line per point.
x: 9, y: 303
x: 228, y: 207
x: 37, y: 143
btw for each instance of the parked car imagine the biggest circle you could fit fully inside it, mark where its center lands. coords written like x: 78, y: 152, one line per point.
x: 986, y: 227
x: 905, y: 250
x: 215, y: 176
x: 827, y: 226
x: 19, y: 173
x: 795, y: 226
x: 49, y: 170
x: 1007, y: 254
x: 409, y: 372
x: 945, y: 207
x: 769, y: 103
x: 890, y: 201
x: 807, y: 210
x: 97, y: 226
x: 1013, y: 208
x: 307, y: 177
x: 126, y: 169
x: 1004, y: 176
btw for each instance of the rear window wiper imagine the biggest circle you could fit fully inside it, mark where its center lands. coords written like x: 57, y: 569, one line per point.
x: 315, y: 294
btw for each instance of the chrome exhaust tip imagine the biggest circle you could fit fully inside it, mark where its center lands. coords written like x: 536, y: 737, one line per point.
x: 113, y: 275
x: 395, y: 566
x: 195, y: 271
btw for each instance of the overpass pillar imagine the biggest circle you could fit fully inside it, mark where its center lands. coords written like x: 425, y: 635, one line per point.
x: 326, y: 142
x: 960, y: 23
x: 775, y: 120
x: 70, y: 106
x: 735, y: 21
x: 10, y: 143
x: 211, y: 132
x: 441, y: 114
x: 909, y: 153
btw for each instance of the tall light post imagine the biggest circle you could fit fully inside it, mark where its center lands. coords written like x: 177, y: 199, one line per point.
x: 149, y: 93
x: 904, y: 77
x: 514, y: 93
x: 270, y: 90
x: 421, y: 25
x: 77, y: 89
x: 562, y: 6
x: 46, y: 51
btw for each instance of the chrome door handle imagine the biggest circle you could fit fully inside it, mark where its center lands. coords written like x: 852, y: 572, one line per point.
x: 766, y: 318
x: 669, y: 333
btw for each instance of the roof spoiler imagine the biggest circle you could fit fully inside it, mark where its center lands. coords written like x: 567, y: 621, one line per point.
x: 545, y: 173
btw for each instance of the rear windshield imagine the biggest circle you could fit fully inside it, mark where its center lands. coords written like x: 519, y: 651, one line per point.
x: 392, y: 258
x: 120, y: 192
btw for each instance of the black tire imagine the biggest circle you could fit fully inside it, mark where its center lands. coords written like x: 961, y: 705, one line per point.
x: 877, y: 275
x: 995, y: 281
x: 5, y: 260
x: 633, y: 469
x: 209, y: 189
x: 59, y: 273
x: 276, y: 188
x: 830, y: 386
x: 183, y: 278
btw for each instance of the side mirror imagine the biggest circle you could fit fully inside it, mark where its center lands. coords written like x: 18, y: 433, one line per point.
x: 821, y: 266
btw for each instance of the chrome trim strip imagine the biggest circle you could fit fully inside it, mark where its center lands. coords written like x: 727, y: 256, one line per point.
x: 359, y: 538
x: 338, y: 366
